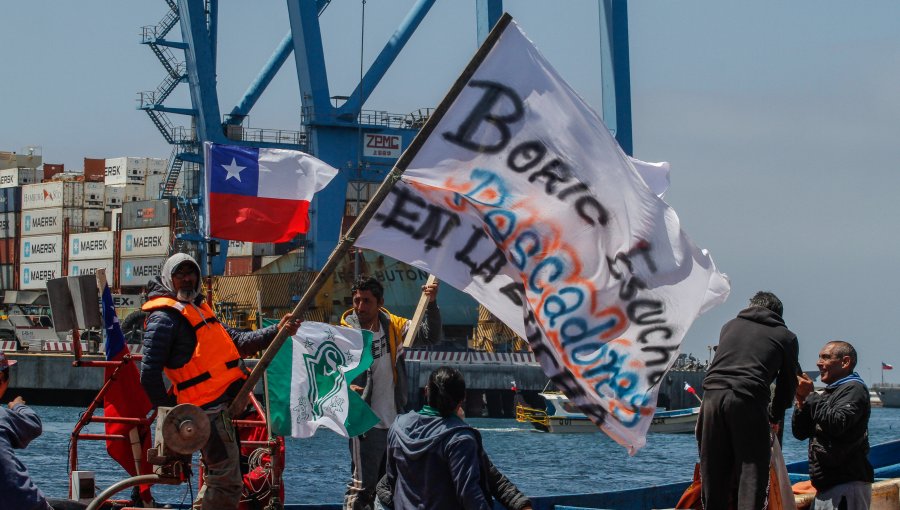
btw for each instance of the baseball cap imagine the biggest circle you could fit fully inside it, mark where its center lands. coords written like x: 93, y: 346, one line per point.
x: 5, y: 363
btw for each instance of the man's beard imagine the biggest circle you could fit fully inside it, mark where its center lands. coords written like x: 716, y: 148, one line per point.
x: 184, y: 295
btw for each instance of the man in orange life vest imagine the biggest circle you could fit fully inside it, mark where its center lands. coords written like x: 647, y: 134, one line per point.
x: 202, y: 359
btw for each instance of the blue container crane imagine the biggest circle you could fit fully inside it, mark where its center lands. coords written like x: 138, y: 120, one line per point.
x: 362, y: 144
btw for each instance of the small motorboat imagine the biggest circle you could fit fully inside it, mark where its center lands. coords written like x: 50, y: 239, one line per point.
x: 562, y: 416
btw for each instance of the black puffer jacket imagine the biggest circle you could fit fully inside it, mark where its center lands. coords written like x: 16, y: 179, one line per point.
x: 836, y: 423
x: 169, y: 341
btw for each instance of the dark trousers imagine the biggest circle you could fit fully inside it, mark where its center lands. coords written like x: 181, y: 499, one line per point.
x: 367, y: 454
x: 733, y: 433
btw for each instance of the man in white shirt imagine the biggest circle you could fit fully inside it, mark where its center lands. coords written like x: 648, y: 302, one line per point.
x: 384, y: 385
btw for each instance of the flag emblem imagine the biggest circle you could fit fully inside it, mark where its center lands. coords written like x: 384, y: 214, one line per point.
x: 309, y: 382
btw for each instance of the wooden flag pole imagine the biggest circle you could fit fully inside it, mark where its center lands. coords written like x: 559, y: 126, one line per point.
x: 368, y: 212
x: 417, y: 317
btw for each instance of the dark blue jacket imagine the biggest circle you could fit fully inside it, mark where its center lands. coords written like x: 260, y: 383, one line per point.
x: 169, y: 341
x: 436, y: 463
x: 18, y: 427
x: 836, y: 422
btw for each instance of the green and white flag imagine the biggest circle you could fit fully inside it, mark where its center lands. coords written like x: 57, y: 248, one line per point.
x: 309, y: 382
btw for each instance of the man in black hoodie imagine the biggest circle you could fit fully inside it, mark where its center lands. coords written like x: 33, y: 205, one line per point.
x: 755, y: 349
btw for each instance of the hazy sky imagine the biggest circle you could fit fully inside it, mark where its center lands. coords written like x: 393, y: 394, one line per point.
x: 781, y: 121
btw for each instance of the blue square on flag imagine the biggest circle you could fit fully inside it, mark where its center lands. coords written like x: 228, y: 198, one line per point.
x: 235, y: 170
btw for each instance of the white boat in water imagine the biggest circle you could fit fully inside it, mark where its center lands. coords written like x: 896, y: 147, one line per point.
x: 562, y: 416
x: 889, y: 394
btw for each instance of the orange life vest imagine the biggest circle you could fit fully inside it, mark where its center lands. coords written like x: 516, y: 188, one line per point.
x: 215, y: 364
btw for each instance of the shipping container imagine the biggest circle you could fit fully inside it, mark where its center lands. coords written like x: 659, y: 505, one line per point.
x: 146, y: 214
x: 138, y: 272
x: 52, y: 169
x: 91, y: 245
x: 8, y: 225
x: 7, y: 160
x: 94, y: 219
x: 268, y: 259
x: 237, y: 266
x: 125, y: 170
x: 240, y: 249
x: 114, y: 196
x: 29, y: 161
x: 7, y: 250
x: 144, y: 242
x: 51, y: 220
x: 40, y: 249
x: 94, y: 169
x: 10, y: 199
x: 12, y: 177
x: 133, y: 193
x: 94, y: 195
x: 153, y: 187
x: 7, y: 277
x: 53, y: 194
x: 157, y: 166
x: 83, y: 267
x: 35, y: 276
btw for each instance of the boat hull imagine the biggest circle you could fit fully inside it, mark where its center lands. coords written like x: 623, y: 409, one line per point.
x: 889, y: 394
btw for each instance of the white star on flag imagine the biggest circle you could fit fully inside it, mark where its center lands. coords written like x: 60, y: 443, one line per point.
x: 234, y: 170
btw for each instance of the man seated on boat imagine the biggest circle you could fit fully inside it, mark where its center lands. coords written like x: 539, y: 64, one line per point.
x: 203, y: 360
x: 383, y: 386
x: 19, y: 425
x: 836, y: 422
x: 435, y: 460
x: 755, y: 349
x: 499, y: 486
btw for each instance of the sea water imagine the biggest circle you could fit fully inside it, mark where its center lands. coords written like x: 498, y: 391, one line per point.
x: 540, y: 464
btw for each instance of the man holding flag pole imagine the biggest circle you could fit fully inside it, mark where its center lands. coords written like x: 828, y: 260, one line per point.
x: 203, y: 360
x: 515, y: 192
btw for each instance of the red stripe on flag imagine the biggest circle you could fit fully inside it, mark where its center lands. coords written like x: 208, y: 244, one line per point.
x: 255, y: 219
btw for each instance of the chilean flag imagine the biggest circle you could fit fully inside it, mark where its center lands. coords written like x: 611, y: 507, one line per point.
x: 885, y: 366
x: 260, y: 195
x: 125, y: 398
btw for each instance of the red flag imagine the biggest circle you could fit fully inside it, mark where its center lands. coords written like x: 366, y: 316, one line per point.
x: 690, y: 389
x: 125, y: 398
x: 885, y: 366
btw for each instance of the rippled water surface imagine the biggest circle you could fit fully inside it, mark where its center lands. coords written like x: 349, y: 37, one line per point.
x: 538, y: 463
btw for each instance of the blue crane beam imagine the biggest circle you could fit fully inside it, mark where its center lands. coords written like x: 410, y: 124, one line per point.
x: 384, y: 60
x: 334, y: 132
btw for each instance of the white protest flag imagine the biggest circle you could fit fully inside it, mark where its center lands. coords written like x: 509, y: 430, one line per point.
x: 309, y: 379
x: 520, y: 197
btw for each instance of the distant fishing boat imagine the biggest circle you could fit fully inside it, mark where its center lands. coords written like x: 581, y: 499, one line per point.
x: 563, y: 417
x: 889, y: 394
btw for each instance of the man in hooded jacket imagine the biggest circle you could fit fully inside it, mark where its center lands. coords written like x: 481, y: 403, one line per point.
x: 435, y: 459
x: 733, y: 430
x: 202, y: 358
x: 19, y: 426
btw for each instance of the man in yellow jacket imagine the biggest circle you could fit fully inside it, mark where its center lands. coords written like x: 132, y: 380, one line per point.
x: 383, y: 386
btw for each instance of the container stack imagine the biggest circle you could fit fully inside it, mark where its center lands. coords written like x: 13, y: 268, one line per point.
x: 125, y: 177
x: 90, y: 251
x: 10, y: 205
x: 145, y: 241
